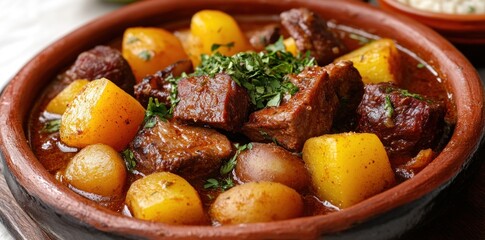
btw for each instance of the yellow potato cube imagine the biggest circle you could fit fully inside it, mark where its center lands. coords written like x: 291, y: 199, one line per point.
x: 377, y: 61
x: 290, y: 46
x: 149, y: 50
x: 209, y: 28
x: 165, y: 197
x: 60, y: 102
x: 102, y: 113
x: 347, y: 168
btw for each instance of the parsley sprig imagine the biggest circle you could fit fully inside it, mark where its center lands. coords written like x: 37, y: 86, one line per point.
x: 263, y: 74
x: 155, y: 108
x: 226, y: 168
x: 129, y: 158
x: 52, y: 126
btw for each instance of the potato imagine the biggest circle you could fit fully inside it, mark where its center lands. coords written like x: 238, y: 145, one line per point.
x: 269, y: 162
x: 59, y: 103
x: 290, y: 46
x: 378, y: 61
x: 97, y: 169
x: 256, y: 202
x: 347, y: 168
x: 209, y: 27
x: 165, y: 197
x: 102, y: 113
x: 148, y: 50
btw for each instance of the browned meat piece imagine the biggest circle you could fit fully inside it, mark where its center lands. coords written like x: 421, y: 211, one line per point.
x: 311, y: 33
x: 156, y: 85
x: 189, y: 151
x: 99, y: 62
x: 405, y: 123
x: 308, y: 113
x: 349, y: 89
x: 326, y: 94
x: 260, y: 38
x: 215, y: 101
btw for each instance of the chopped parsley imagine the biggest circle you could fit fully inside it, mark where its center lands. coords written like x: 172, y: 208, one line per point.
x: 263, y: 74
x: 229, y: 165
x: 130, y: 160
x: 406, y: 93
x: 268, y: 137
x: 420, y: 65
x: 52, y: 126
x: 174, y: 91
x: 226, y: 168
x: 216, y: 46
x: 155, y: 108
x: 145, y: 55
x: 224, y: 184
x: 389, y: 108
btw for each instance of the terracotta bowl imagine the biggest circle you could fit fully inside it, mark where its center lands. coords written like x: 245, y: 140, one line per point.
x: 458, y: 28
x: 66, y: 215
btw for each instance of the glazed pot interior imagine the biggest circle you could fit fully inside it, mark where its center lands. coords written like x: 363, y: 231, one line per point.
x: 459, y: 77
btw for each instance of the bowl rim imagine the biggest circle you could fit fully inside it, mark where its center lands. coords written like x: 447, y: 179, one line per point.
x: 433, y: 15
x: 469, y: 130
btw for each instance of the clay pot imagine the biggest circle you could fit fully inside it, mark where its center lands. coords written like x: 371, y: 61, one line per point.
x: 64, y: 214
x: 458, y: 28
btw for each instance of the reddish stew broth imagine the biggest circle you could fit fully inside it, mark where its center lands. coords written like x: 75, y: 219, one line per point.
x: 418, y: 77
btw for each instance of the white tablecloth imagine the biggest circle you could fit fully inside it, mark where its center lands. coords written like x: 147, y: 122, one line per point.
x: 28, y: 26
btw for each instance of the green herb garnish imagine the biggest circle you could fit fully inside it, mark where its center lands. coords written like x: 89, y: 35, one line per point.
x: 216, y: 46
x: 224, y: 184
x: 263, y: 74
x: 145, y: 55
x: 52, y: 126
x: 155, y: 108
x: 406, y: 93
x: 130, y: 160
x: 227, y: 168
x: 388, y: 107
x: 229, y: 165
x: 420, y: 65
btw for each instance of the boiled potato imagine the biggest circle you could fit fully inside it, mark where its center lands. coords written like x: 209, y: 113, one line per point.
x: 60, y: 102
x: 148, y: 50
x: 269, y: 162
x: 377, y: 61
x: 102, y: 113
x: 97, y: 169
x: 256, y: 202
x: 165, y: 197
x: 347, y: 168
x: 209, y: 27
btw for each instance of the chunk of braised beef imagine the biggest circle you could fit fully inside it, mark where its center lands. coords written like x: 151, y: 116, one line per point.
x: 189, y: 151
x: 216, y: 101
x: 306, y: 114
x: 349, y: 89
x: 311, y: 33
x: 261, y: 38
x: 102, y: 62
x: 326, y: 95
x: 405, y: 123
x: 157, y: 86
